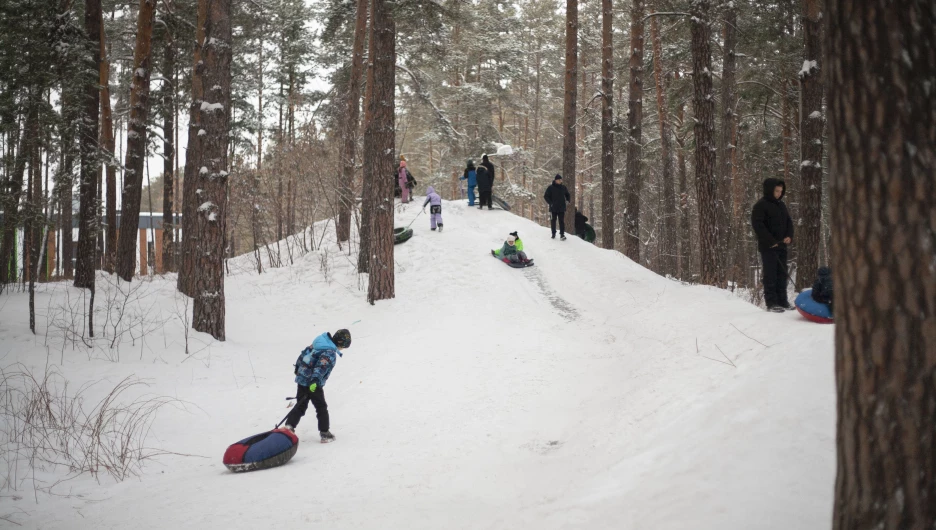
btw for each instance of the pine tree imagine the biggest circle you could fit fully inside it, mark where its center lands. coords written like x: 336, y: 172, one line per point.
x: 212, y: 175
x: 882, y: 183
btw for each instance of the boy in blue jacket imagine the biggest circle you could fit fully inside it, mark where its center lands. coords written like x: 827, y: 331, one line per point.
x: 313, y: 367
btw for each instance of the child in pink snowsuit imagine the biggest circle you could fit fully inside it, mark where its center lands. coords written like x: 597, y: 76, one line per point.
x: 435, y: 208
x: 401, y: 177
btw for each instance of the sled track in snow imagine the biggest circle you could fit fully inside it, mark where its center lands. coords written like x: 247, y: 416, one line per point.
x: 566, y: 310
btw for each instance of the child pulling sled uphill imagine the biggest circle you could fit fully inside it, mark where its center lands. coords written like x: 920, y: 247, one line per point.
x: 313, y: 367
x: 435, y: 208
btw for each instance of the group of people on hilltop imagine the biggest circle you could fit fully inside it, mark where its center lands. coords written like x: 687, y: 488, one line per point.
x: 481, y: 177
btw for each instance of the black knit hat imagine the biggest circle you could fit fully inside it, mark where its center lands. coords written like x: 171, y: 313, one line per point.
x: 557, y: 177
x: 516, y: 235
x: 342, y: 338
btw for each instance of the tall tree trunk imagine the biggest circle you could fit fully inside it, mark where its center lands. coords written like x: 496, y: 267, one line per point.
x: 882, y: 131
x: 668, y: 244
x: 65, y: 181
x: 607, y: 124
x: 87, y: 224
x: 811, y: 128
x: 168, y: 149
x: 633, y: 183
x: 136, y: 142
x: 110, y: 166
x: 380, y: 146
x: 726, y: 148
x: 186, y: 280
x: 8, y: 264
x: 211, y: 215
x: 369, y: 179
x: 703, y: 105
x: 345, y: 187
x: 685, y: 228
x: 570, y: 113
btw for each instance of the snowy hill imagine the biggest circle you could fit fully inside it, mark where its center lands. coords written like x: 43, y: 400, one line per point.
x: 584, y: 392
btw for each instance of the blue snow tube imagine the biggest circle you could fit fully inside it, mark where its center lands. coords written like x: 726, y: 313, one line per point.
x: 813, y: 310
x: 261, y: 451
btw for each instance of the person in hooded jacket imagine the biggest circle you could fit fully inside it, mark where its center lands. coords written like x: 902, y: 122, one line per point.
x: 822, y: 289
x: 312, y: 369
x: 485, y: 187
x: 556, y: 196
x: 471, y: 175
x: 491, y: 174
x: 435, y: 208
x: 774, y: 229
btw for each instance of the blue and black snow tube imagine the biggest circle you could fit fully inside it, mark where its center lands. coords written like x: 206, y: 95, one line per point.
x: 812, y: 310
x: 261, y: 451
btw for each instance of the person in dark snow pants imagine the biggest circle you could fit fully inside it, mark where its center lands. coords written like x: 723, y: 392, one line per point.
x: 490, y: 189
x: 556, y: 196
x: 822, y: 289
x: 435, y: 208
x: 485, y: 187
x: 313, y: 367
x: 471, y: 175
x: 774, y: 229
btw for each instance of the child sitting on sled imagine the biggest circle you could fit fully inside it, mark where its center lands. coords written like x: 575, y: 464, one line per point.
x: 512, y: 251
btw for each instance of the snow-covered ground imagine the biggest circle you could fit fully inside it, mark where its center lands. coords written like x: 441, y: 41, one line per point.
x: 584, y: 392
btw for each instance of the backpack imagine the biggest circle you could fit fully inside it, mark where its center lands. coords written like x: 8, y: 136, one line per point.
x: 301, y: 365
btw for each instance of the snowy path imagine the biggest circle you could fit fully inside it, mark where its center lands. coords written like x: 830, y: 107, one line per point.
x: 585, y: 392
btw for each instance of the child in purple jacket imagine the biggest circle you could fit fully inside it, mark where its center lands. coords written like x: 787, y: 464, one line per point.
x: 435, y: 208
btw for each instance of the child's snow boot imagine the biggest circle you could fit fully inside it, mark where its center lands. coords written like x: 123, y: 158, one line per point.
x: 433, y: 229
x: 327, y: 437
x: 440, y: 227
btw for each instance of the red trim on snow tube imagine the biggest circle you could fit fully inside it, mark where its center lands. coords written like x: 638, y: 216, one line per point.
x: 814, y: 318
x: 261, y: 451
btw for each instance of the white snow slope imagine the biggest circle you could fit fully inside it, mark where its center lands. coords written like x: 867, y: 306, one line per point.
x: 584, y: 392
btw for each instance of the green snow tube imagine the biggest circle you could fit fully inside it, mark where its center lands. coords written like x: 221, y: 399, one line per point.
x: 589, y: 233
x: 401, y: 234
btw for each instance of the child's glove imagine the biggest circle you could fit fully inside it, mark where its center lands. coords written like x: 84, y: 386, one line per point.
x: 313, y: 387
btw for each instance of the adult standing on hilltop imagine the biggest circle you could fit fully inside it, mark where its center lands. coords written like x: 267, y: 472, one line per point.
x: 485, y: 187
x: 556, y: 196
x: 491, y: 174
x: 774, y: 229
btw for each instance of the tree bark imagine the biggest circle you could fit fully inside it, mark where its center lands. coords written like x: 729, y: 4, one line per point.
x: 168, y: 150
x: 380, y: 146
x: 345, y: 188
x: 633, y: 182
x: 729, y: 101
x: 811, y: 129
x: 569, y: 109
x: 88, y: 225
x: 607, y: 124
x: 212, y: 175
x: 136, y: 142
x: 879, y: 67
x: 703, y: 105
x: 668, y: 251
x: 186, y: 279
x: 369, y: 179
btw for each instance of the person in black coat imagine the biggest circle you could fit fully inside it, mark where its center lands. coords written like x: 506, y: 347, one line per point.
x: 774, y: 229
x: 485, y: 186
x: 556, y: 196
x: 491, y: 174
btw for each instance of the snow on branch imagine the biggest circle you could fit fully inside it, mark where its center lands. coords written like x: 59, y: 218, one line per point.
x: 427, y: 97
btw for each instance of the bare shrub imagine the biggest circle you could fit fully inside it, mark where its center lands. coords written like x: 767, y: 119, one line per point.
x: 44, y: 425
